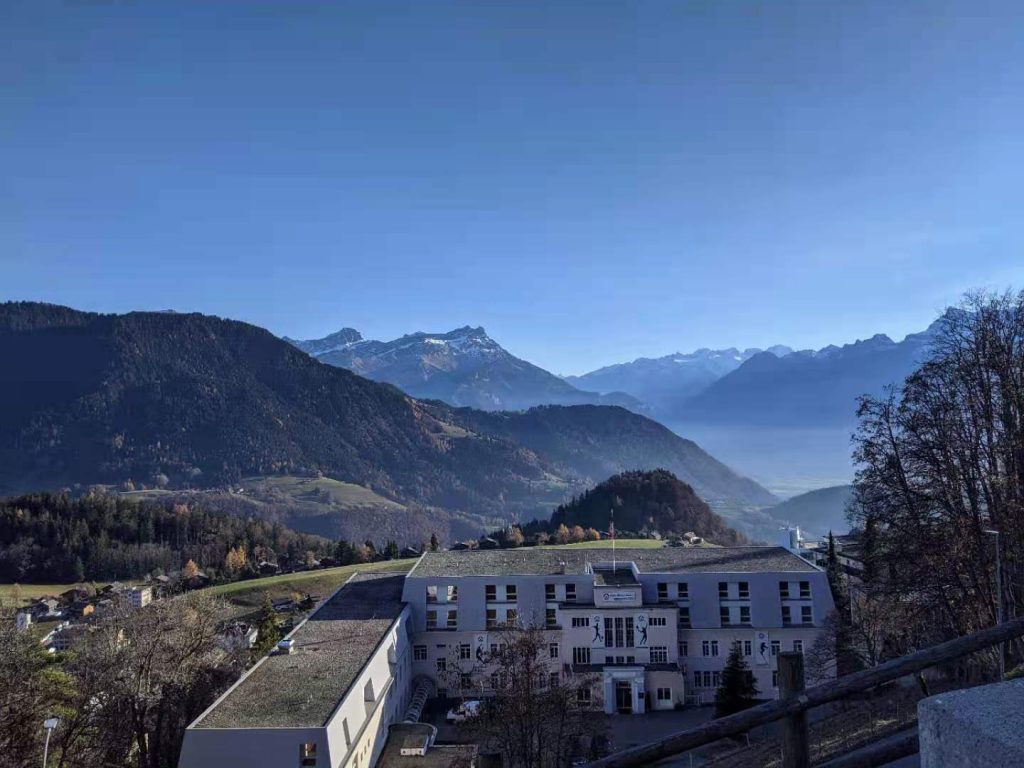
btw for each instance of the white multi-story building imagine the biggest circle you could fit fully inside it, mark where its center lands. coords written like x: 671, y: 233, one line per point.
x: 654, y: 625
x: 651, y: 627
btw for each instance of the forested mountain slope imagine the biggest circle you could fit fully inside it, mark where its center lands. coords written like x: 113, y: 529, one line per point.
x: 187, y: 400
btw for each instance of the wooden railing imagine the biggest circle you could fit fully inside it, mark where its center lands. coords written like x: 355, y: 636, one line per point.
x: 794, y: 701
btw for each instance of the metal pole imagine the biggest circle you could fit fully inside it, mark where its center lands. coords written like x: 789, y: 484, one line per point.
x: 796, y: 749
x: 46, y: 746
x: 999, y: 602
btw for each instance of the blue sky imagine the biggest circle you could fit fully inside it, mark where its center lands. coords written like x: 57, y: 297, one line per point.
x: 591, y: 181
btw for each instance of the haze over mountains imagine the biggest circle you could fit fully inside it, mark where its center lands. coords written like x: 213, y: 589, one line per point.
x: 464, y: 367
x: 193, y: 401
x: 785, y: 416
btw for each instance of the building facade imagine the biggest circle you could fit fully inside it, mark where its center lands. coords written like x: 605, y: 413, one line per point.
x: 654, y: 626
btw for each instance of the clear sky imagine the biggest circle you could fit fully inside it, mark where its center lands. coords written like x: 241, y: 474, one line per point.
x: 591, y: 181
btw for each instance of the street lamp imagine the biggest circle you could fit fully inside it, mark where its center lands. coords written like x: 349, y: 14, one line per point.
x: 999, y: 599
x: 49, y: 724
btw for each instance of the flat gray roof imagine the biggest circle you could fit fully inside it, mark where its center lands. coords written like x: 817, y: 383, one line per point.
x: 302, y: 689
x: 546, y: 561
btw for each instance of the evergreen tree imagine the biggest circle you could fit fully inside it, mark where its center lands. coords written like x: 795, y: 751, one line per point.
x: 738, y: 690
x: 434, y: 544
x: 269, y: 628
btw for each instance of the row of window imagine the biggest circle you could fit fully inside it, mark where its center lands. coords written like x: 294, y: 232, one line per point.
x: 666, y: 591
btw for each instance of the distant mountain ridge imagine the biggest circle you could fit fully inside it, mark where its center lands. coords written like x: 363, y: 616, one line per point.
x: 463, y: 367
x: 807, y: 388
x: 189, y: 400
x: 665, y: 383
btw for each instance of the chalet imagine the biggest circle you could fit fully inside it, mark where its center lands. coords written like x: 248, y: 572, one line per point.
x: 409, y: 552
x: 267, y: 568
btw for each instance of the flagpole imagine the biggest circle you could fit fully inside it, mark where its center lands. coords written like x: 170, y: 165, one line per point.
x: 611, y: 512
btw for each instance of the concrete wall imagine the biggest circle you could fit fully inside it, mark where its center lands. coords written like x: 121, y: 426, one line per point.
x: 976, y: 728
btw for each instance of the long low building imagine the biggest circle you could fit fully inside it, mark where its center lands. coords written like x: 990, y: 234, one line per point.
x: 651, y: 627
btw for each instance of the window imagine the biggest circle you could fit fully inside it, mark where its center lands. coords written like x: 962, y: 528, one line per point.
x: 744, y: 590
x: 495, y: 680
x: 490, y: 592
x: 442, y: 665
x: 709, y: 647
x: 662, y: 590
x: 684, y: 616
x: 806, y: 616
x: 431, y: 619
x: 618, y: 632
x: 659, y: 654
x: 510, y: 592
x: 554, y: 678
x: 307, y: 755
x: 583, y: 696
x: 745, y: 614
x: 581, y: 621
x: 723, y: 614
x: 684, y: 590
x: 552, y: 650
x: 453, y: 619
x: 776, y: 647
x: 714, y: 647
x: 775, y: 678
x: 798, y: 646
x: 664, y: 694
x: 684, y: 648
x: 419, y: 653
x: 716, y: 679
x: 511, y: 615
x: 723, y: 590
x: 784, y: 590
x: 492, y: 618
x: 570, y: 593
x: 465, y: 681
x: 551, y: 617
x: 696, y: 680
x: 453, y: 593
x: 432, y: 593
x: 787, y: 615
x: 464, y: 651
x: 658, y: 621
x: 549, y: 592
x: 707, y: 679
x: 580, y: 655
x: 805, y: 590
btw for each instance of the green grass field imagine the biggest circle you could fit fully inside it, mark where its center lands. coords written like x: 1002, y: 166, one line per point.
x: 317, y: 490
x: 606, y: 544
x: 248, y: 595
x: 30, y: 592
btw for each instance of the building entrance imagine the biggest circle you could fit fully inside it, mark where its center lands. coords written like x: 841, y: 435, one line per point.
x: 623, y: 697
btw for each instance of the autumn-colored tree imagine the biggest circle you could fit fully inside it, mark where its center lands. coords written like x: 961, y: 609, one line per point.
x: 562, y: 535
x: 235, y: 560
x: 190, y: 570
x: 515, y: 538
x: 592, y: 534
x: 577, y: 533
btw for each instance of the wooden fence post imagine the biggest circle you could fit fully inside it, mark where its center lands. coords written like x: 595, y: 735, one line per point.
x: 796, y: 751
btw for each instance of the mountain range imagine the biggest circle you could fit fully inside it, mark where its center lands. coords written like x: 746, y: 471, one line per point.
x: 783, y: 415
x: 182, y: 401
x: 464, y: 367
x: 664, y: 384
